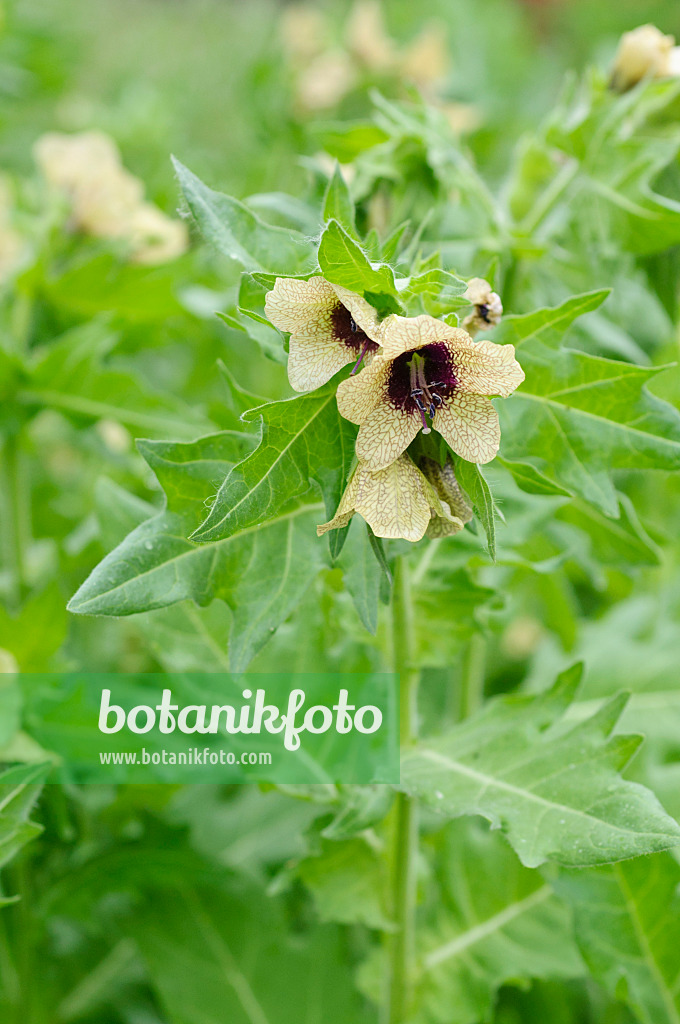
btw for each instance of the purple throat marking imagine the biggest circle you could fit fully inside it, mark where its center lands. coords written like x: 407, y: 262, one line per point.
x: 346, y: 330
x: 422, y: 381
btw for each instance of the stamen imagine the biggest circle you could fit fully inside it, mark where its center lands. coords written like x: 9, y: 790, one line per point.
x: 426, y: 429
x: 353, y: 324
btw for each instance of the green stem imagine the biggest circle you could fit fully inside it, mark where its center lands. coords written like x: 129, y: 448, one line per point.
x: 14, y: 534
x: 472, y: 681
x: 549, y: 198
x: 405, y: 834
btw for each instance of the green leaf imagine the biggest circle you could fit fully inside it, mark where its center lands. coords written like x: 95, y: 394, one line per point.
x: 627, y: 924
x: 248, y: 830
x: 531, y: 479
x: 303, y: 439
x: 239, y: 233
x: 227, y: 956
x: 19, y: 790
x: 362, y: 574
x: 473, y: 482
x: 37, y: 631
x: 361, y: 807
x: 577, y: 417
x: 494, y: 922
x: 183, y: 637
x: 261, y: 573
x: 622, y: 542
x: 447, y: 601
x: 139, y: 294
x: 549, y: 324
x: 617, y: 146
x: 76, y: 376
x: 338, y: 204
x: 440, y: 291
x: 241, y: 400
x: 347, y: 881
x: 556, y: 793
x: 118, y: 511
x: 344, y: 262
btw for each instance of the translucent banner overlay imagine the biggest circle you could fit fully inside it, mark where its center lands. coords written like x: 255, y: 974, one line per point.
x: 294, y: 728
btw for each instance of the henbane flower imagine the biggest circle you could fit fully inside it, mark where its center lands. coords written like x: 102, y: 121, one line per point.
x: 329, y: 327
x: 428, y: 373
x: 398, y: 501
x: 488, y: 306
x: 106, y: 200
x: 644, y: 53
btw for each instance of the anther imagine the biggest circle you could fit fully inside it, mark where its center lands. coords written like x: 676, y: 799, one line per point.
x: 353, y: 324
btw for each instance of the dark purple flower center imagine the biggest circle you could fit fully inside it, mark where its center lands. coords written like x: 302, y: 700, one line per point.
x: 421, y: 381
x: 346, y: 330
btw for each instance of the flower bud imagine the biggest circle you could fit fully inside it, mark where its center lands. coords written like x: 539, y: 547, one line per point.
x: 643, y: 53
x: 488, y: 306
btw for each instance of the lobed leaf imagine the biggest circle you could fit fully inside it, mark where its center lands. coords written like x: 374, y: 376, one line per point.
x: 577, y: 417
x: 261, y: 572
x: 303, y: 439
x: 548, y: 324
x: 556, y: 793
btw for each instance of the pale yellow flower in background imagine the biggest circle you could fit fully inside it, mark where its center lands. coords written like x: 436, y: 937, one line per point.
x: 396, y: 502
x: 12, y: 245
x: 326, y: 70
x: 303, y: 31
x: 428, y: 370
x: 367, y: 36
x: 426, y: 60
x: 644, y: 53
x: 87, y: 167
x: 329, y: 327
x: 488, y: 306
x: 326, y: 80
x: 154, y: 237
x: 106, y: 200
x: 462, y: 117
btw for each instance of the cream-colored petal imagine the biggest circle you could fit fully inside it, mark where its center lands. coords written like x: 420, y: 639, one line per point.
x: 478, y: 291
x: 484, y: 368
x: 314, y: 360
x: 359, y: 395
x: 469, y: 424
x: 301, y: 306
x: 644, y: 52
x: 393, y: 501
x: 363, y: 313
x: 385, y: 434
x: 444, y: 526
x: 407, y: 333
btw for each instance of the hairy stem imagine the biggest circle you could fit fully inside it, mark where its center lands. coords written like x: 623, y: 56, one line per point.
x: 405, y: 835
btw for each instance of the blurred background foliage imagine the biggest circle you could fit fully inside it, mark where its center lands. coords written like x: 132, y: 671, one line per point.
x: 110, y: 921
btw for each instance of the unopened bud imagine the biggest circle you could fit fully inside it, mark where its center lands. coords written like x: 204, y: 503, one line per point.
x: 643, y: 53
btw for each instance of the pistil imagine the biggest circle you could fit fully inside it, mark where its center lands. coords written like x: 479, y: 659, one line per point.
x: 364, y: 350
x: 422, y: 392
